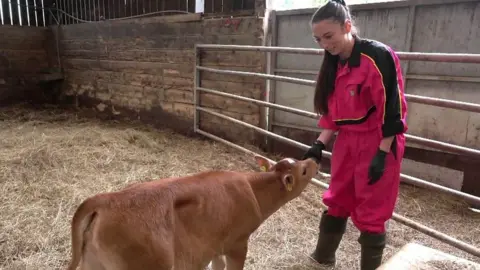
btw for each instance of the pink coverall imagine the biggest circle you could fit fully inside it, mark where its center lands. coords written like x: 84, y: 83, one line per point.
x: 367, y: 105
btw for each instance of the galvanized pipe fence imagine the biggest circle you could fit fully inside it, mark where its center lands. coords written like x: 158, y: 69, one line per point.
x: 435, y: 57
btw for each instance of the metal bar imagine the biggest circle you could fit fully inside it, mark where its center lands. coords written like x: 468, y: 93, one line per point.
x: 79, y: 13
x: 11, y: 12
x: 443, y: 146
x: 422, y: 183
x: 238, y: 147
x: 67, y: 10
x: 401, y: 219
x: 261, y: 48
x: 296, y: 126
x: 260, y: 130
x: 259, y: 75
x: 459, y: 105
x: 64, y: 9
x: 423, y: 141
x: 271, y: 85
x: 19, y: 10
x: 58, y: 5
x: 43, y: 14
x: 443, y: 78
x: 437, y: 235
x: 27, y: 7
x: 1, y: 12
x: 263, y: 103
x: 297, y: 71
x: 408, y: 76
x: 196, y: 96
x: 414, y: 56
x: 406, y: 178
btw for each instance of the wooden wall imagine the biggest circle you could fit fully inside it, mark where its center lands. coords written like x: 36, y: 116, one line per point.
x: 144, y: 68
x: 22, y: 55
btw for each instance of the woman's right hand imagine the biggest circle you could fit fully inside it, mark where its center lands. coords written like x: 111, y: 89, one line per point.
x: 315, y: 151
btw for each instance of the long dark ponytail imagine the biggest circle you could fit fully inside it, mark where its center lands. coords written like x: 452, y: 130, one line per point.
x: 325, y: 83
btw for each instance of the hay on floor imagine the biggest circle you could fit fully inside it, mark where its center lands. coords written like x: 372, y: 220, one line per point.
x: 52, y: 160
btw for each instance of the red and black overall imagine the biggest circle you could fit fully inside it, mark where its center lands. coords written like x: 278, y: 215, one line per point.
x: 367, y: 105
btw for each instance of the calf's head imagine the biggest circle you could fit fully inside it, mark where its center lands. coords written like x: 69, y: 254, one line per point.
x: 293, y: 175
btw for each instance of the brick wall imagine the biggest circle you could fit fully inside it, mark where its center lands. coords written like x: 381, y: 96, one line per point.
x: 22, y: 56
x: 145, y: 68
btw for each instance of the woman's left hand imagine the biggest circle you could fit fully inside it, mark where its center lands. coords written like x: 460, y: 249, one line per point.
x: 377, y: 166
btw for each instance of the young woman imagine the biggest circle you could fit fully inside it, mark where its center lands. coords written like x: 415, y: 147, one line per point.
x: 359, y: 93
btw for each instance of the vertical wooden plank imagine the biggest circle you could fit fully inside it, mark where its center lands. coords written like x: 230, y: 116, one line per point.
x: 217, y: 6
x: 64, y: 16
x: 191, y: 6
x: 228, y: 5
x: 94, y: 10
x: 471, y: 175
x: 128, y: 8
x: 141, y: 7
x: 248, y: 4
x: 120, y: 9
x: 208, y: 6
x: 182, y: 5
x: 76, y: 11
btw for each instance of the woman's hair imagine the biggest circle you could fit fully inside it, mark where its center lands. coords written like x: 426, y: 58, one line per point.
x: 338, y: 11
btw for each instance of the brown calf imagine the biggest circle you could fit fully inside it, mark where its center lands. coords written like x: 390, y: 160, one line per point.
x: 183, y: 223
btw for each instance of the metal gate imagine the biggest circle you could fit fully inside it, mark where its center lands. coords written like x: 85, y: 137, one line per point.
x: 428, y: 57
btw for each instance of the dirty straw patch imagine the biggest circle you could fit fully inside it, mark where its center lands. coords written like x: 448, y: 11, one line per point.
x: 51, y: 160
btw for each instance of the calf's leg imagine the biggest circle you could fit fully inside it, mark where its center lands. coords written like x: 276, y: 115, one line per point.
x: 218, y: 263
x: 236, y: 256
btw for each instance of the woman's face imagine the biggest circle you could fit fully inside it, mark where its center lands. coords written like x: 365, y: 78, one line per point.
x: 331, y: 35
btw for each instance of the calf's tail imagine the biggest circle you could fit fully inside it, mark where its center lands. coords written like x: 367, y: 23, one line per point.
x: 82, y: 218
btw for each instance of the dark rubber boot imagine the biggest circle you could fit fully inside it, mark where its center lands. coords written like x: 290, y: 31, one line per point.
x: 372, y: 246
x: 331, y: 233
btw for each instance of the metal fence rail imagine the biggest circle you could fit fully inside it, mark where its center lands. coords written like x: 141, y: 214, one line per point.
x: 412, y: 56
x: 464, y: 106
x: 409, y: 179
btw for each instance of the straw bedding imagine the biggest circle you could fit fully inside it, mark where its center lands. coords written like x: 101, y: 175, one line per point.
x: 52, y: 159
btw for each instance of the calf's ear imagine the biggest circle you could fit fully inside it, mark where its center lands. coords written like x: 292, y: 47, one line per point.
x: 263, y: 163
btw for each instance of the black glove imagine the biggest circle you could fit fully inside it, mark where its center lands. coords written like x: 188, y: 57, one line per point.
x: 377, y: 166
x: 315, y: 151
